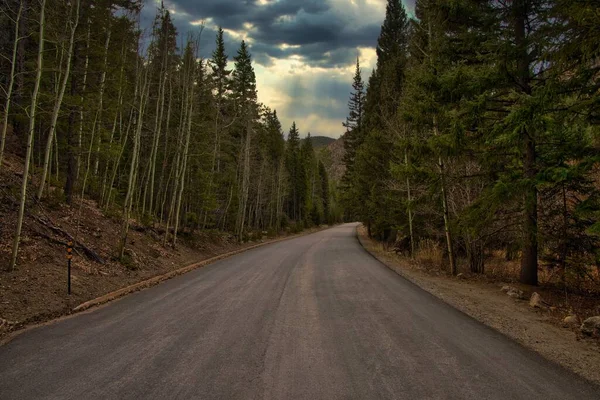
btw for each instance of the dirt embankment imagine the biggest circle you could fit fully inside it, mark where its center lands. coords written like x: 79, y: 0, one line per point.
x: 539, y: 330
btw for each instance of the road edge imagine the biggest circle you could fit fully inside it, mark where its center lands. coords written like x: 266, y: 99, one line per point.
x: 148, y: 283
x: 465, y: 311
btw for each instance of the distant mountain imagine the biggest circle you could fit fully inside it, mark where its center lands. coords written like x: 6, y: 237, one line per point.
x: 321, y: 141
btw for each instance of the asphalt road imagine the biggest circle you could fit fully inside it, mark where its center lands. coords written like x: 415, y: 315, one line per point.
x: 310, y: 318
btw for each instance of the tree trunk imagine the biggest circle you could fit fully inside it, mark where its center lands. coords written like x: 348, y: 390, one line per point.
x: 409, y: 209
x: 445, y: 206
x: 58, y: 104
x: 133, y: 166
x: 81, y: 99
x: 158, y: 131
x: 162, y: 193
x: 97, y: 120
x: 529, y: 261
x: 118, y: 117
x: 245, y: 182
x: 11, y: 82
x: 34, y: 97
x: 185, y: 157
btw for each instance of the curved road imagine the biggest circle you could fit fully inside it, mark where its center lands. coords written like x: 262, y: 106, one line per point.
x: 310, y: 318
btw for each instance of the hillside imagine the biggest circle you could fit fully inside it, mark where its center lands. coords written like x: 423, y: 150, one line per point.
x: 321, y: 141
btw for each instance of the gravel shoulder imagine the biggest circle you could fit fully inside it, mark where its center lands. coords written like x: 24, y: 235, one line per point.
x: 486, y: 303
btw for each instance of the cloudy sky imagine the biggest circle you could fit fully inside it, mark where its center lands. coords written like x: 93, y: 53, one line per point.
x: 304, y: 50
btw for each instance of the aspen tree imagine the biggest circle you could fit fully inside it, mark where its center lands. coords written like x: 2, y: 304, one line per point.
x: 11, y: 81
x: 61, y: 92
x: 133, y: 168
x: 30, y: 132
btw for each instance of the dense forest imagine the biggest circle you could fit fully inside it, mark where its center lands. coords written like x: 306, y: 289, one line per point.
x: 102, y: 108
x: 478, y: 132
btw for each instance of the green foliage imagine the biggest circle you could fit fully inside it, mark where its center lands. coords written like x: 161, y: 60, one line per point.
x: 482, y: 122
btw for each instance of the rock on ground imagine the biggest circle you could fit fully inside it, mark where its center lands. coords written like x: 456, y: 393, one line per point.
x: 536, y: 301
x: 591, y: 326
x: 515, y: 293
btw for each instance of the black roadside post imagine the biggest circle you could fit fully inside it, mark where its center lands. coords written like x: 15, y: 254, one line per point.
x: 69, y: 256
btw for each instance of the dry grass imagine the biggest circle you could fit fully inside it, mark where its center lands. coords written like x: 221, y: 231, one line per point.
x: 582, y: 296
x: 430, y: 254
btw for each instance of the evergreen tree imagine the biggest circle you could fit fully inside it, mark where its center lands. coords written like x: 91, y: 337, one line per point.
x: 293, y: 166
x: 393, y: 38
x: 324, y: 181
x: 354, y: 122
x: 369, y: 195
x: 245, y: 97
x: 306, y: 179
x: 218, y: 64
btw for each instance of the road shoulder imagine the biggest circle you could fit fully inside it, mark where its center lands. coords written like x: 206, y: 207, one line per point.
x: 486, y: 303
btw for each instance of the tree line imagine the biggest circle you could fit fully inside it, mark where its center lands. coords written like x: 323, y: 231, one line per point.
x: 103, y: 109
x: 478, y: 130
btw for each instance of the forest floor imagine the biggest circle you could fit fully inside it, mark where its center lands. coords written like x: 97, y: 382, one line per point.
x: 482, y: 298
x: 36, y: 291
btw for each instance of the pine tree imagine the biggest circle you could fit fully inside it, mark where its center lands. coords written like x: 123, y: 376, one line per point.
x: 393, y: 38
x: 369, y: 197
x: 293, y: 165
x: 245, y: 96
x: 306, y: 179
x: 324, y: 181
x: 354, y: 122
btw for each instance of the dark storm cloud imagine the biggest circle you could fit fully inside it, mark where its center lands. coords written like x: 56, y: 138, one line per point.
x: 317, y: 33
x: 326, y: 37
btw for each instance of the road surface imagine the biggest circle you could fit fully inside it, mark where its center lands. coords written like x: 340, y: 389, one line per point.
x: 315, y: 317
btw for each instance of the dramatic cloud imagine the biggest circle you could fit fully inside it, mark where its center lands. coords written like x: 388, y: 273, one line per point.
x: 304, y: 50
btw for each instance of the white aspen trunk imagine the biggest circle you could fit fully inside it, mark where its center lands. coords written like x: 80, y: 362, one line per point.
x: 166, y: 192
x: 409, y: 209
x: 154, y: 153
x: 133, y: 166
x: 11, y: 82
x: 123, y: 143
x: 56, y: 156
x: 81, y: 99
x: 165, y: 157
x: 160, y: 108
x: 272, y: 199
x: 185, y: 158
x: 245, y: 180
x: 58, y: 104
x: 109, y: 159
x: 97, y: 117
x: 101, y: 103
x: 177, y: 168
x: 229, y: 199
x: 279, y: 202
x: 258, y: 210
x: 445, y: 206
x: 118, y: 115
x: 178, y: 158
x: 215, y: 155
x: 34, y: 97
